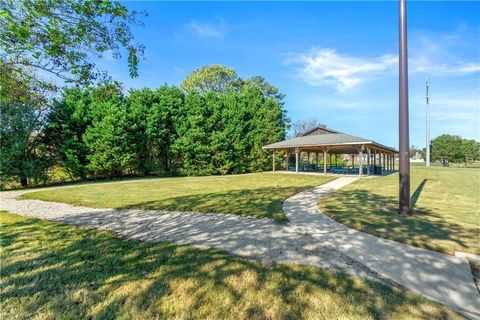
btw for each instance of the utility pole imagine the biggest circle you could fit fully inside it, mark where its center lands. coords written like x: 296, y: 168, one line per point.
x: 404, y: 161
x: 427, y: 124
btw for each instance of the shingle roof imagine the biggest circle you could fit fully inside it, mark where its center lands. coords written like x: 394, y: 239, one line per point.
x: 323, y: 140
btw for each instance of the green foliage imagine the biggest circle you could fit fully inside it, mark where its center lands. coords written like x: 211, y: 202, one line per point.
x: 110, y: 152
x: 453, y: 149
x: 162, y: 121
x: 210, y: 78
x: 61, y: 37
x: 68, y: 120
x: 23, y: 156
x: 100, y: 132
x: 470, y: 150
x: 193, y: 144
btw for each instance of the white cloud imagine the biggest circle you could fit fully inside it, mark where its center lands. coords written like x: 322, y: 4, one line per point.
x: 445, y: 54
x: 207, y: 30
x: 328, y: 67
x: 448, y: 54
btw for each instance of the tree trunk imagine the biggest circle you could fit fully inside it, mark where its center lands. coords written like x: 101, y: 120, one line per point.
x: 24, y: 182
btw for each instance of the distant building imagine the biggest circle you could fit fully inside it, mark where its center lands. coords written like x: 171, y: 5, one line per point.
x: 417, y: 157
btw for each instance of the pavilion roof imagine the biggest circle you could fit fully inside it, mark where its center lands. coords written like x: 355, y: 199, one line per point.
x: 326, y: 140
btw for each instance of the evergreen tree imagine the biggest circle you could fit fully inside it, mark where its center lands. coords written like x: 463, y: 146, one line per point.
x: 110, y: 149
x: 161, y: 126
x: 68, y: 120
x: 192, y: 145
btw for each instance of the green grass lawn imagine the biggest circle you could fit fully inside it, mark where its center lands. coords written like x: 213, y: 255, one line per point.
x: 257, y: 195
x: 57, y: 271
x: 446, y: 205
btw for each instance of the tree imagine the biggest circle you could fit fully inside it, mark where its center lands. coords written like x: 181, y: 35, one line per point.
x: 215, y: 78
x: 68, y: 121
x: 110, y: 148
x: 227, y: 124
x: 161, y: 128
x: 193, y: 144
x: 267, y: 89
x: 63, y: 37
x: 447, y: 148
x: 22, y: 118
x: 303, y: 125
x: 470, y: 150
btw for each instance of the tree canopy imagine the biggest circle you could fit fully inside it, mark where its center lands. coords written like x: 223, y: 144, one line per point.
x: 61, y: 38
x: 102, y: 132
x: 215, y: 78
x: 449, y: 148
x: 22, y: 118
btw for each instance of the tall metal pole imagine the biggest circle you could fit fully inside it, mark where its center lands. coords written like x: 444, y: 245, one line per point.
x: 427, y: 124
x: 404, y: 161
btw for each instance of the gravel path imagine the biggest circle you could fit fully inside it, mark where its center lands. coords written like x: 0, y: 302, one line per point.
x: 260, y: 239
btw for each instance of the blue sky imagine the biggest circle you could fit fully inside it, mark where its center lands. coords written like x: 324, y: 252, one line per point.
x: 335, y: 61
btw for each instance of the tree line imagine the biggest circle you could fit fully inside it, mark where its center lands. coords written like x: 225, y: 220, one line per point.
x: 86, y: 126
x: 448, y: 149
x: 104, y: 132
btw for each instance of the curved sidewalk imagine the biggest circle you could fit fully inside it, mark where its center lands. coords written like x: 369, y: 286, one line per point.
x: 444, y: 278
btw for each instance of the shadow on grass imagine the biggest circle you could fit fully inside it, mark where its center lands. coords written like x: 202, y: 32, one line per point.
x: 259, y: 203
x: 56, y: 270
x: 378, y: 215
x: 417, y: 193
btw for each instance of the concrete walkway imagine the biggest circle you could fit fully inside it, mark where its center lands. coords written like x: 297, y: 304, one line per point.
x: 311, y: 238
x: 444, y: 278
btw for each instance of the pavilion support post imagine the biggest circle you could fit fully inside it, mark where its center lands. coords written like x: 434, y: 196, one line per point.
x: 273, y: 160
x: 287, y: 156
x: 325, y: 162
x: 297, y: 153
x: 368, y: 161
x: 380, y: 161
x: 383, y: 157
x: 360, y: 162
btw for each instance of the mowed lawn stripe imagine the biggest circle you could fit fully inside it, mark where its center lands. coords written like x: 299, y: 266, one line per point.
x: 256, y: 195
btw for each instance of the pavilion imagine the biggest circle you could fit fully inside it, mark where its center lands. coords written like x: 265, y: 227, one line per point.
x: 356, y: 155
